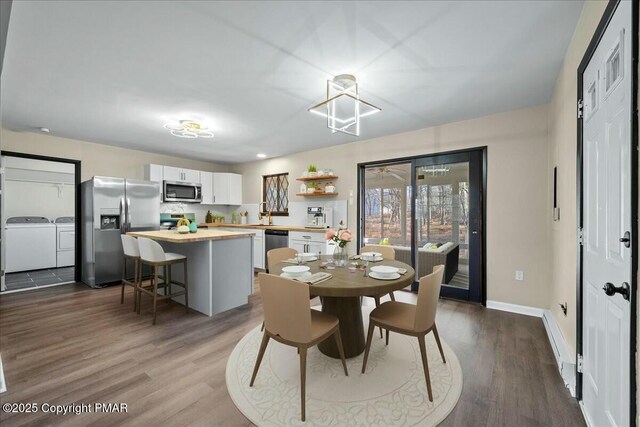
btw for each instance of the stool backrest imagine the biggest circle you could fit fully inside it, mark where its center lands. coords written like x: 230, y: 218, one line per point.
x: 150, y: 250
x: 275, y: 256
x: 386, y: 251
x: 428, y: 294
x: 287, y: 312
x: 130, y: 245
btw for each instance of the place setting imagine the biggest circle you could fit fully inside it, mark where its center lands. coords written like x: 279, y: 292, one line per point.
x: 302, y: 257
x: 303, y: 274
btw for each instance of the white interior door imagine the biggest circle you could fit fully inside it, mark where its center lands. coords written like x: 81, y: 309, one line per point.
x: 607, y: 220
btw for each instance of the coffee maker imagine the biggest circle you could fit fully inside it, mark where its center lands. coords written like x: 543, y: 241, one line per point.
x: 319, y: 217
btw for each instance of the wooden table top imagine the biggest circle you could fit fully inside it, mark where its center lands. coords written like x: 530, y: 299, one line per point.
x: 347, y: 284
x: 201, y: 236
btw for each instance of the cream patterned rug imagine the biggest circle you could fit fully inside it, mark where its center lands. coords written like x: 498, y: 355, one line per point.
x: 392, y: 392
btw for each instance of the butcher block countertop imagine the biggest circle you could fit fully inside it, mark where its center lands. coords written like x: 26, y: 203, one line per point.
x: 265, y: 227
x: 201, y: 236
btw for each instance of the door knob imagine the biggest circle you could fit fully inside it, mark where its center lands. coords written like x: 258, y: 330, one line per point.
x: 626, y: 239
x: 624, y: 290
x: 474, y: 232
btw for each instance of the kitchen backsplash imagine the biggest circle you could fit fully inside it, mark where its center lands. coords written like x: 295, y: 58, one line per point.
x: 297, y: 211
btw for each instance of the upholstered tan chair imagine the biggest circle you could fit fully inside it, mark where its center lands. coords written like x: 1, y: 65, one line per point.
x: 414, y: 320
x: 131, y: 253
x: 276, y: 256
x: 387, y: 253
x: 289, y: 320
x: 151, y: 253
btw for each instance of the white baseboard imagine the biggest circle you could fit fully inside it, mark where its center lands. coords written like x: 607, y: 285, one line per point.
x: 3, y: 384
x: 566, y: 364
x: 514, y: 308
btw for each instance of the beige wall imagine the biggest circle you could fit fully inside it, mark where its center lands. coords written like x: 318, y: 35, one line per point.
x: 517, y: 203
x: 97, y: 159
x: 562, y: 153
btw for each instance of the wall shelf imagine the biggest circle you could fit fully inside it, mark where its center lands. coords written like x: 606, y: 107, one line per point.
x: 317, y: 178
x: 316, y: 194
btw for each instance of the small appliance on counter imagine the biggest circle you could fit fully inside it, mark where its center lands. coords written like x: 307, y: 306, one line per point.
x: 319, y: 217
x: 169, y: 221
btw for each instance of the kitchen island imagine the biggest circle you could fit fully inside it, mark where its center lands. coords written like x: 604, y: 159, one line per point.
x: 220, y: 266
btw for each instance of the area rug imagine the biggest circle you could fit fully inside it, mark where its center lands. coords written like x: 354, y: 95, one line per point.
x: 392, y: 392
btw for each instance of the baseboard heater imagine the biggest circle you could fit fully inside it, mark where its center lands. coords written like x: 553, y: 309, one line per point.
x: 566, y: 364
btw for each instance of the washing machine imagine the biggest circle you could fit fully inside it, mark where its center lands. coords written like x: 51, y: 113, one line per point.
x: 66, y: 241
x: 31, y: 243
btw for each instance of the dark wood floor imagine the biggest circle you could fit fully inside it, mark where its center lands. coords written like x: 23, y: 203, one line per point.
x: 72, y: 344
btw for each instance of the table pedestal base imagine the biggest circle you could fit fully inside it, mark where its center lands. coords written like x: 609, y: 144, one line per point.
x: 348, y: 311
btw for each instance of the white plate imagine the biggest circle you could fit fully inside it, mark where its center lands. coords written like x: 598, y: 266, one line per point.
x: 309, y: 256
x: 369, y: 256
x: 395, y: 276
x: 384, y: 270
x: 302, y: 276
x: 295, y: 270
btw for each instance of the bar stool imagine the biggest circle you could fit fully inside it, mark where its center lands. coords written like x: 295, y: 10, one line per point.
x: 131, y: 252
x: 152, y: 254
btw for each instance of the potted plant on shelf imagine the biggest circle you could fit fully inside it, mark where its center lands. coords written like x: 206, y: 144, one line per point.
x: 341, y: 236
x: 311, y: 188
x: 312, y: 171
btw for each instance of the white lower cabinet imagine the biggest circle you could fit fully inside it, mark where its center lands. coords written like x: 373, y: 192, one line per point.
x: 312, y: 242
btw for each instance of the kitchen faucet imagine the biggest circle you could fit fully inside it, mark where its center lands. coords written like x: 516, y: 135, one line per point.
x: 268, y: 213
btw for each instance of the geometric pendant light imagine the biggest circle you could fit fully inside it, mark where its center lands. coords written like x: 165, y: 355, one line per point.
x: 343, y: 107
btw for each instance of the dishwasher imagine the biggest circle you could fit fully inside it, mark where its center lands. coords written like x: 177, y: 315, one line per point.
x: 274, y: 239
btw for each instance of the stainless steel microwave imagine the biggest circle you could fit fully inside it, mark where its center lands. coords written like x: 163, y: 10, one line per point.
x: 184, y: 192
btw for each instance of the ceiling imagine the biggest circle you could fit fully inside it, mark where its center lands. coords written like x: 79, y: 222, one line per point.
x: 116, y: 72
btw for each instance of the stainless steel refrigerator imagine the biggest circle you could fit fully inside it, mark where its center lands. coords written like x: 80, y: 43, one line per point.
x: 111, y: 207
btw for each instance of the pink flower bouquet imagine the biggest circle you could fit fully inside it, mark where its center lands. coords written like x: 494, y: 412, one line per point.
x: 341, y: 236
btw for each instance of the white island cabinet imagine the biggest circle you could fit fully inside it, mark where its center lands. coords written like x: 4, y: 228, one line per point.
x: 220, y: 266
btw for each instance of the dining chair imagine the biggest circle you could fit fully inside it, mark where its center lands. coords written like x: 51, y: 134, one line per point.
x: 276, y: 256
x: 131, y: 253
x: 409, y: 319
x: 289, y: 320
x: 152, y: 254
x: 387, y: 253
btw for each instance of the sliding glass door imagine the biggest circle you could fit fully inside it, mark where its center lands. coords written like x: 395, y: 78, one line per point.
x: 430, y: 209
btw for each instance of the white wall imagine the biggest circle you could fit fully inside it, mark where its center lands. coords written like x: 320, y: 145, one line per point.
x: 518, y: 202
x: 98, y: 159
x: 562, y: 153
x: 39, y: 188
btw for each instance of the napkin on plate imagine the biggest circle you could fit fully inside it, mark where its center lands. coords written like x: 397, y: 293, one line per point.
x: 315, y: 278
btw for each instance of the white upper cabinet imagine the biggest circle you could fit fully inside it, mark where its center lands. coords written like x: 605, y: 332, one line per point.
x: 221, y: 188
x: 154, y: 173
x: 206, y: 180
x: 181, y: 175
x: 227, y: 189
x: 235, y: 189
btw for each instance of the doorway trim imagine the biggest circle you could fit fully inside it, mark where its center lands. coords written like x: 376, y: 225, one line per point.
x: 593, y: 44
x: 483, y: 149
x: 77, y: 171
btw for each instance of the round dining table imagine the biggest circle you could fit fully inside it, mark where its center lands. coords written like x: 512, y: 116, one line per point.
x: 341, y: 296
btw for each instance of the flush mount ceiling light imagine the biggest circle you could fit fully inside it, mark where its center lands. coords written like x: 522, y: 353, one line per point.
x: 440, y: 170
x: 261, y: 155
x: 343, y: 107
x: 188, y: 129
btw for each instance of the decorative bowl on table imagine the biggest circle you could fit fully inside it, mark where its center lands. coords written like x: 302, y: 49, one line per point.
x: 384, y: 271
x: 295, y: 270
